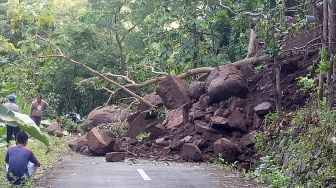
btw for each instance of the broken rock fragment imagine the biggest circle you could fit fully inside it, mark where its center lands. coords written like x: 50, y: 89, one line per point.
x: 227, y: 150
x: 115, y: 156
x: 263, y: 108
x: 191, y: 152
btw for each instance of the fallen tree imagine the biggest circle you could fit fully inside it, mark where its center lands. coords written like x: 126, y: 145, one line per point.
x: 134, y: 85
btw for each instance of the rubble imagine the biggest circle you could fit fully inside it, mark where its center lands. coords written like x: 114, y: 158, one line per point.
x: 214, y: 116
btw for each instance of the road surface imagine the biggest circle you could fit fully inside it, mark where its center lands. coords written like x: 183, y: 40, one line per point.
x: 93, y: 172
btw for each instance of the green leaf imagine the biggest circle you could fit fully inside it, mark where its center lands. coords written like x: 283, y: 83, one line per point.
x: 24, y: 122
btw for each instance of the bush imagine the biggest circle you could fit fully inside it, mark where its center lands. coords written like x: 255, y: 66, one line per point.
x: 302, y: 154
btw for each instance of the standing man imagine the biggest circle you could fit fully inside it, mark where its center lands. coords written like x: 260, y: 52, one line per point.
x: 37, y: 108
x: 11, y: 105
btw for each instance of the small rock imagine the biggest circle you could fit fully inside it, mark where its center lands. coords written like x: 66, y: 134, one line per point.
x: 191, y: 152
x: 212, y: 109
x: 219, y: 123
x: 139, y: 124
x: 156, y: 131
x: 55, y: 130
x: 212, y: 137
x: 85, y: 150
x: 151, y: 98
x: 246, y: 140
x: 78, y: 143
x: 196, y: 89
x: 257, y: 121
x: 202, y: 127
x: 115, y: 156
x: 219, y: 113
x: 161, y: 142
x: 263, y: 108
x: 333, y: 139
x: 228, y: 150
x: 176, y: 118
x: 175, y: 145
x: 237, y: 121
x: 186, y: 139
x: 196, y: 114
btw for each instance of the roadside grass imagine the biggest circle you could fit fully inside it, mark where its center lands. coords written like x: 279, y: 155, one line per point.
x: 58, y: 149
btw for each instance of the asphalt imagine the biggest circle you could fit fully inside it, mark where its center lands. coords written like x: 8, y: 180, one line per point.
x: 93, y: 172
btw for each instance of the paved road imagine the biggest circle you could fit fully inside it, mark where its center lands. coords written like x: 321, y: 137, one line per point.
x: 86, y: 172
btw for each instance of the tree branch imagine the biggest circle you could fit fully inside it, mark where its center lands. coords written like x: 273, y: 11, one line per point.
x: 100, y: 75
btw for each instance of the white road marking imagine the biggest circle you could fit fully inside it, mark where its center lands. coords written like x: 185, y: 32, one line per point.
x: 143, y: 175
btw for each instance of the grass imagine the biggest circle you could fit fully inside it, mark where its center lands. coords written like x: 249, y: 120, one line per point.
x: 58, y: 148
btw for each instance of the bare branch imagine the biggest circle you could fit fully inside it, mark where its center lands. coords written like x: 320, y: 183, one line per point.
x: 127, y: 32
x: 100, y: 75
x: 227, y: 8
x: 155, y: 72
x: 50, y: 42
x: 126, y: 78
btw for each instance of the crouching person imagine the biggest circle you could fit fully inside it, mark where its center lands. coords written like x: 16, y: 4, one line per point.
x: 21, y: 162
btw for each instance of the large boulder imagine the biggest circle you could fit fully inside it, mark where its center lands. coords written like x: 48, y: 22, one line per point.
x: 139, y: 123
x: 55, y: 130
x: 190, y: 152
x: 176, y: 118
x: 151, y: 98
x: 196, y: 89
x: 228, y: 150
x: 115, y: 156
x: 100, y: 141
x: 78, y: 143
x: 225, y: 82
x: 104, y: 115
x: 173, y: 91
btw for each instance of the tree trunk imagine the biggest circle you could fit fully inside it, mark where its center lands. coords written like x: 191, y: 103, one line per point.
x: 122, y: 63
x: 324, y: 45
x: 332, y: 22
x: 278, y: 85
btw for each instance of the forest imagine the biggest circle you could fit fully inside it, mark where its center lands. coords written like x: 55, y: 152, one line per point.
x: 263, y: 68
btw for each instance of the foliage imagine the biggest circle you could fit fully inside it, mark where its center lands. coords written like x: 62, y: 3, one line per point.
x: 302, y: 154
x: 24, y: 122
x: 260, y: 67
x: 68, y: 125
x: 143, y: 136
x: 324, y: 63
x: 269, y: 173
x: 118, y: 129
x: 306, y: 83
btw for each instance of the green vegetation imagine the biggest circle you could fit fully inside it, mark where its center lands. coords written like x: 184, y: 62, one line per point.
x: 143, y: 136
x: 59, y: 148
x: 300, y: 154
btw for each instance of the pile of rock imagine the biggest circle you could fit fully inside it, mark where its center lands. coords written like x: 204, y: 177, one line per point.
x: 207, y: 118
x: 212, y: 116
